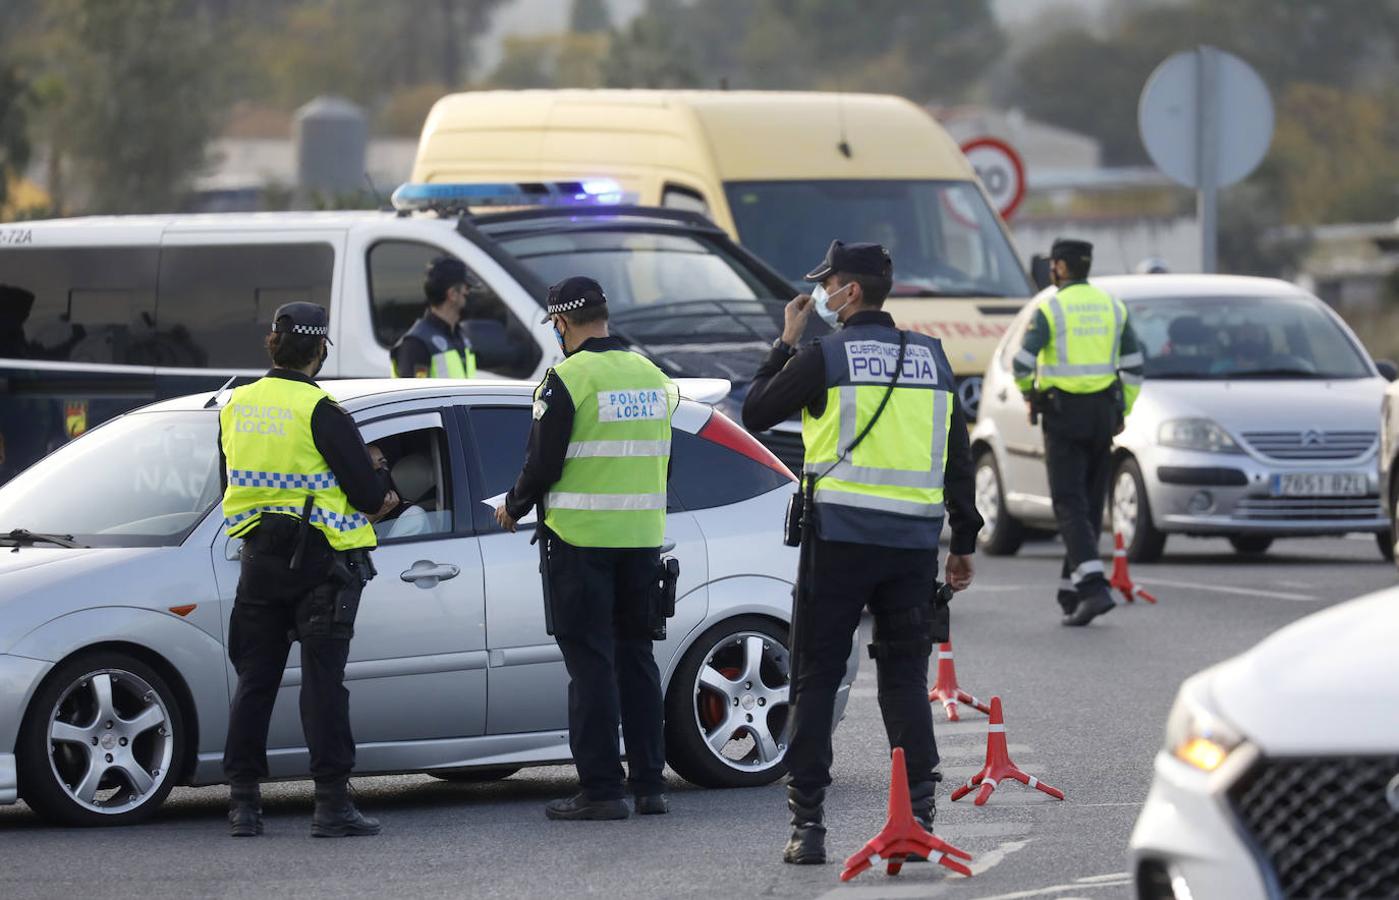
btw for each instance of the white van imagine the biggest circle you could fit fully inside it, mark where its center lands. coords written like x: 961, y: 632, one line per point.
x: 100, y: 315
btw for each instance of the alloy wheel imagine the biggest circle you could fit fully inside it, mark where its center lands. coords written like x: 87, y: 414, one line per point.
x: 110, y: 741
x: 988, y: 496
x: 742, y: 700
x: 1126, y: 507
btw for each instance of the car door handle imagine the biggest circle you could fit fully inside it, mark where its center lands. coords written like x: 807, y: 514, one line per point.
x: 667, y: 546
x: 1001, y: 395
x: 426, y: 574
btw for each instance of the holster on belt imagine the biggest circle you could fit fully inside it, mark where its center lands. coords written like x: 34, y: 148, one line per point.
x: 330, y: 610
x: 662, y: 600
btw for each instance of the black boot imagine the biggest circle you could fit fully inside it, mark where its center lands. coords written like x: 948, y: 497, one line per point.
x: 244, y: 809
x: 925, y: 809
x: 335, y: 814
x: 808, y: 844
x: 579, y: 808
x: 1097, y: 599
x: 1068, y: 600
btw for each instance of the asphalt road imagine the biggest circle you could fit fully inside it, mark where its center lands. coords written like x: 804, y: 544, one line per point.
x: 1085, y: 709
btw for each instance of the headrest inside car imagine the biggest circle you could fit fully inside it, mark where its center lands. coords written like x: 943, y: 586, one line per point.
x: 414, y: 477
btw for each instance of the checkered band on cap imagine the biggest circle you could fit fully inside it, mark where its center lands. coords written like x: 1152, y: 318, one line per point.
x: 318, y: 330
x: 568, y: 306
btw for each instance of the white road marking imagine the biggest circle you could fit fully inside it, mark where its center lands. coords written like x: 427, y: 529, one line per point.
x: 896, y: 889
x: 1220, y: 589
x: 1115, y: 876
x: 1059, y: 889
x: 986, y: 861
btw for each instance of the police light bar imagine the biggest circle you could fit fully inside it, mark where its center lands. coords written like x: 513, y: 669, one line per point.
x: 416, y: 196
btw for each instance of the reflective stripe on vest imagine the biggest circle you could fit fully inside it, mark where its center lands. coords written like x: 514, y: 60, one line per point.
x: 889, y: 490
x: 274, y: 466
x: 612, y: 492
x: 1081, y: 355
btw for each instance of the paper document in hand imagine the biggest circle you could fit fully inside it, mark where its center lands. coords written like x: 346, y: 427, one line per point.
x: 494, y: 503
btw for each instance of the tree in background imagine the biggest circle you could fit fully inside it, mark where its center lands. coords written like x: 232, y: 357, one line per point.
x: 15, y: 100
x: 141, y: 99
x: 589, y: 17
x: 571, y: 60
x: 651, y: 53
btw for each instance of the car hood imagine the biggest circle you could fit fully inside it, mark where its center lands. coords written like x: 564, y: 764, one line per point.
x: 1247, y: 405
x: 25, y: 558
x: 1326, y: 684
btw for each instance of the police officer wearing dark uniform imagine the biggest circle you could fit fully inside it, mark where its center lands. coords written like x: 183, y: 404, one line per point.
x: 596, y: 464
x: 1081, y: 368
x: 879, y: 511
x: 437, y: 346
x: 301, y: 492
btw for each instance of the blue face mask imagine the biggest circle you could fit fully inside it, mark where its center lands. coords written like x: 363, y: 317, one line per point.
x: 558, y: 336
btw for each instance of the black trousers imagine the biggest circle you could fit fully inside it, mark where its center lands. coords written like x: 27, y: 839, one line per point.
x: 1078, y: 432
x: 272, y: 602
x: 897, y: 586
x: 600, y: 603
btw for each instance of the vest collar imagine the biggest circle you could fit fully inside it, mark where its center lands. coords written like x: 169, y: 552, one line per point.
x: 870, y: 317
x: 601, y: 344
x: 290, y: 375
x: 437, y: 322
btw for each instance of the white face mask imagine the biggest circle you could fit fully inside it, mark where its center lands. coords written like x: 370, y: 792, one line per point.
x: 819, y: 297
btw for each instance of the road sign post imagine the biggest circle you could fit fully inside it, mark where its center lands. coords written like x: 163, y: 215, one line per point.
x: 1206, y: 119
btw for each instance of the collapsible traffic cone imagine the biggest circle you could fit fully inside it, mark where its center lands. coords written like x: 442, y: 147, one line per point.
x: 946, y: 689
x: 1120, y: 579
x: 902, y: 835
x: 998, y: 765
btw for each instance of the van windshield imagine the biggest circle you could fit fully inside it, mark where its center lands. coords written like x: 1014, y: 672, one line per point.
x: 943, y: 237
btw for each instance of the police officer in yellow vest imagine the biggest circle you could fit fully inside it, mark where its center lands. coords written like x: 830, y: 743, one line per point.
x: 597, y: 463
x: 1082, y: 367
x: 301, y: 492
x: 879, y: 511
x: 437, y: 345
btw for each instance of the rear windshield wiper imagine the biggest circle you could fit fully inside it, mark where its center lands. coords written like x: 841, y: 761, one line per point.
x: 23, y: 536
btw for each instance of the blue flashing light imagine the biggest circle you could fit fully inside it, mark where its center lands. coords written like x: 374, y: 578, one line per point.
x: 417, y: 196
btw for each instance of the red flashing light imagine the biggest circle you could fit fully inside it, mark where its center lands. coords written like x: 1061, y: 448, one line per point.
x: 722, y: 431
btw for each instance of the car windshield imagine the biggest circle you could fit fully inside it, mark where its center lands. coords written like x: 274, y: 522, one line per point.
x: 943, y: 237
x: 637, y: 268
x: 143, y: 480
x: 1243, y: 337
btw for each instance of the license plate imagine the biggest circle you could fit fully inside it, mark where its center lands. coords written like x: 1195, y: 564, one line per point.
x: 1320, y: 484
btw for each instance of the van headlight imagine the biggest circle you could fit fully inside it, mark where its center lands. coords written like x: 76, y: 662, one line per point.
x: 1196, y: 434
x: 1196, y: 734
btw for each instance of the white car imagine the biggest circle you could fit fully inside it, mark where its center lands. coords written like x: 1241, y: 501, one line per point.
x: 1280, y: 773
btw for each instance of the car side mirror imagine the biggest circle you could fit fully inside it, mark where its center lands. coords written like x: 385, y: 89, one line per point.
x: 494, y: 348
x: 1039, y: 271
x: 1387, y: 368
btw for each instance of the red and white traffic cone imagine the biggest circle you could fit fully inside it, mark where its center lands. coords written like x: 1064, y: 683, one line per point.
x: 998, y: 765
x: 1120, y: 579
x: 945, y: 687
x: 902, y: 836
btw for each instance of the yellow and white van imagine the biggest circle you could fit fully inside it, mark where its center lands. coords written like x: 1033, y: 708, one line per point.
x: 782, y: 172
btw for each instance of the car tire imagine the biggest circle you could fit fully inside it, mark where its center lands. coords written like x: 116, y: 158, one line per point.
x: 1386, y: 541
x: 728, y: 703
x: 1002, y: 534
x: 1251, y: 544
x: 1131, y: 514
x: 476, y: 776
x: 102, y: 743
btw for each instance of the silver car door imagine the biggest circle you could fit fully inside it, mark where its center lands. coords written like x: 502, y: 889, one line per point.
x: 528, y: 683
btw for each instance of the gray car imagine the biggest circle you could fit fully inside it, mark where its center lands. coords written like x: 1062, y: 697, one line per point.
x: 114, y: 604
x: 1259, y: 419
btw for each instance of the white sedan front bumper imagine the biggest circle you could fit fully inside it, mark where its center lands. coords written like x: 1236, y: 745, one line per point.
x: 1187, y: 827
x: 19, y: 678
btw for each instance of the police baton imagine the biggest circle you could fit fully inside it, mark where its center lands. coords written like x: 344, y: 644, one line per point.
x: 541, y: 537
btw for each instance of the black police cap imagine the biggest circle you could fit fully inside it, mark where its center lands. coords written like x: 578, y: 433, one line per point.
x: 853, y: 259
x: 1071, y: 249
x: 302, y: 317
x: 573, y: 294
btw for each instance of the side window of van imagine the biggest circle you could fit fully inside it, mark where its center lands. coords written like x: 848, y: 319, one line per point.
x: 502, y: 343
x: 78, y: 304
x: 216, y: 302
x: 676, y: 197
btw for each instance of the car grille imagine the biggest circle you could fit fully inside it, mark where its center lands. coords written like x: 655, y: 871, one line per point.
x: 1285, y: 509
x: 1324, y: 824
x: 1311, y: 444
x: 786, y: 446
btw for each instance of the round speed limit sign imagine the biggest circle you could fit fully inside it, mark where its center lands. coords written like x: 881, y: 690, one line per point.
x: 1000, y: 170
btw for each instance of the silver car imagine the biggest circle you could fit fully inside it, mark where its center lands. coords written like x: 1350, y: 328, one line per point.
x: 114, y: 604
x: 1259, y: 419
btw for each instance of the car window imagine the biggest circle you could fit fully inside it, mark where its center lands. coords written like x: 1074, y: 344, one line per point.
x: 417, y: 464
x: 1016, y: 335
x: 396, y: 272
x: 705, y: 473
x: 144, y: 480
x: 1243, y: 337
x: 676, y: 197
x: 638, y: 268
x: 216, y: 303
x: 80, y: 304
